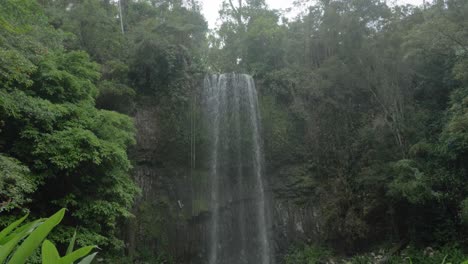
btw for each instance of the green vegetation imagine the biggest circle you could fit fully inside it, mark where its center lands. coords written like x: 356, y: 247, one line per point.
x: 309, y: 255
x: 364, y: 108
x: 32, y: 234
x: 69, y: 81
x: 312, y: 255
x: 57, y: 149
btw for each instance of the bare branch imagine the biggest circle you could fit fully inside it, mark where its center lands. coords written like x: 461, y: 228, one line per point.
x: 237, y: 11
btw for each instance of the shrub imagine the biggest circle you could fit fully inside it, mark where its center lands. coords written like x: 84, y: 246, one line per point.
x: 19, y: 242
x: 308, y: 255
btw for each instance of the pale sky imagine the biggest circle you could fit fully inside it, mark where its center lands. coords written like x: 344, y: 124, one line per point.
x: 211, y: 7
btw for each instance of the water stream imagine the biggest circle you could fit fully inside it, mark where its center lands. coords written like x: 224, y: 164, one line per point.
x: 239, y: 224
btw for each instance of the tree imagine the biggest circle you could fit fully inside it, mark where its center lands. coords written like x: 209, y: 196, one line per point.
x: 58, y: 148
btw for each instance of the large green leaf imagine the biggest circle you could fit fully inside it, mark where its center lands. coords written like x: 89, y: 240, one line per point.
x: 77, y: 254
x: 14, y: 238
x: 11, y: 227
x: 28, y: 227
x: 7, y: 248
x: 50, y: 253
x: 72, y: 244
x: 35, y: 238
x: 88, y: 259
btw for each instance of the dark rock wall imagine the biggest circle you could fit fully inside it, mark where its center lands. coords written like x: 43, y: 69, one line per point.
x: 172, y: 213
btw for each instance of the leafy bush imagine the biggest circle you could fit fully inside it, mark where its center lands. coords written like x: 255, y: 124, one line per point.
x: 308, y: 255
x: 31, y: 235
x: 411, y: 255
x: 409, y: 183
x: 55, y: 144
x: 16, y: 184
x: 464, y: 211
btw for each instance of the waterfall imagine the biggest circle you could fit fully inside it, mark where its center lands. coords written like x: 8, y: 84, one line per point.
x: 239, y: 224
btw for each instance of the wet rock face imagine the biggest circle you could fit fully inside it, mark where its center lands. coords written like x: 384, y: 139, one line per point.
x: 144, y: 172
x: 148, y: 133
x: 164, y: 223
x: 172, y: 214
x: 294, y: 223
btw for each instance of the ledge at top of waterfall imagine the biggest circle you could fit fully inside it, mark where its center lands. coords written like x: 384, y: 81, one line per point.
x: 238, y: 231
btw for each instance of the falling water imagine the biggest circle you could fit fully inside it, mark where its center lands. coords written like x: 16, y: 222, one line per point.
x: 238, y: 230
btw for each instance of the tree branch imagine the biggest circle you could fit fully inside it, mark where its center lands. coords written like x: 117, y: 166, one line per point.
x: 237, y: 11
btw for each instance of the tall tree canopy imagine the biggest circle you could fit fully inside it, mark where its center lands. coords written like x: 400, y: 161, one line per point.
x: 57, y: 149
x: 364, y: 116
x: 363, y: 112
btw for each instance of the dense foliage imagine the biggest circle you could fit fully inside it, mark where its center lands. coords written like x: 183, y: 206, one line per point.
x: 310, y: 254
x: 57, y: 149
x: 19, y: 241
x: 364, y: 109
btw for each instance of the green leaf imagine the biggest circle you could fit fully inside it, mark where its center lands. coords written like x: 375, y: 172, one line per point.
x: 6, y: 249
x: 11, y: 227
x: 50, y: 253
x: 34, y: 240
x: 28, y: 227
x: 445, y: 258
x: 77, y: 254
x: 72, y: 244
x: 14, y: 238
x: 88, y: 259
